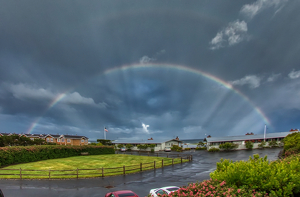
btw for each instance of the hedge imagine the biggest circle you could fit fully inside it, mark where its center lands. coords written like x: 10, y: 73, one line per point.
x: 25, y: 154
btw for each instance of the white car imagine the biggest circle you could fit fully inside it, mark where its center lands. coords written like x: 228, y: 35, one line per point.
x: 163, y: 190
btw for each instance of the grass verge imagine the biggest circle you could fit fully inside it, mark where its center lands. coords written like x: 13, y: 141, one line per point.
x: 85, y: 167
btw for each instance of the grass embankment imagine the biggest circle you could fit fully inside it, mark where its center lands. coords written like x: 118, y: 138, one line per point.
x: 88, y: 166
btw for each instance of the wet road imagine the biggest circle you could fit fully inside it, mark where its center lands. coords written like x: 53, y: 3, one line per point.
x: 181, y: 174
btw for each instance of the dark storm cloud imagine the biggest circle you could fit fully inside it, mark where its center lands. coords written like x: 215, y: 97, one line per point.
x: 54, y: 48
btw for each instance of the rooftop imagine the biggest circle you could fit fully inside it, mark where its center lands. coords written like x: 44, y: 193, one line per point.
x: 247, y: 137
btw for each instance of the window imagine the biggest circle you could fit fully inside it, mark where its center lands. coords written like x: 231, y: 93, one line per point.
x: 58, y: 140
x: 48, y: 140
x: 62, y: 139
x: 51, y: 139
x: 68, y: 140
x: 32, y: 138
x: 82, y: 140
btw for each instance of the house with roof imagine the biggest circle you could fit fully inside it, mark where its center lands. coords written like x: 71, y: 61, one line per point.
x: 214, y: 142
x: 159, y: 144
x: 56, y: 138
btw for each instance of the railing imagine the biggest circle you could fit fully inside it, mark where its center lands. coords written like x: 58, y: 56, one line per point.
x: 97, y: 172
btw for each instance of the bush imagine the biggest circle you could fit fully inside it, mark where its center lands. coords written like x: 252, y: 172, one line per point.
x: 273, y: 143
x: 187, y: 148
x: 262, y: 144
x: 249, y: 144
x: 176, y: 148
x: 228, y: 146
x: 215, y: 188
x: 200, y: 148
x: 279, y: 178
x: 213, y: 149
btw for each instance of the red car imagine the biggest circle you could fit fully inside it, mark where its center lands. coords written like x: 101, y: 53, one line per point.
x: 122, y: 193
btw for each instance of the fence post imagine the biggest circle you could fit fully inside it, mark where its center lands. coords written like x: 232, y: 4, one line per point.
x: 154, y: 165
x: 162, y: 163
x: 167, y: 155
x: 172, y: 161
x: 157, y: 154
x: 124, y: 170
x: 49, y: 174
x: 77, y: 173
x: 141, y: 166
x: 181, y: 159
x: 148, y: 154
x: 20, y: 173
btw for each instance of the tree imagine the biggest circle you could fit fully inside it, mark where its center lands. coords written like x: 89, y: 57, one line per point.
x: 142, y: 146
x: 151, y: 146
x: 120, y: 146
x: 200, y: 144
x: 128, y: 146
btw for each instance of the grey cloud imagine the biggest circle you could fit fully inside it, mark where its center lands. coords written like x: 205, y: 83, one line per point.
x: 294, y: 74
x: 252, y: 80
x: 234, y: 33
x: 23, y: 91
x: 145, y: 59
x: 255, y: 8
x: 273, y: 77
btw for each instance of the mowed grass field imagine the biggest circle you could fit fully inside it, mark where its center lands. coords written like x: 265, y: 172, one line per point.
x: 84, y: 166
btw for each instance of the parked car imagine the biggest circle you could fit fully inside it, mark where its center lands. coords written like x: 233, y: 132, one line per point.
x: 164, y: 190
x: 167, y: 149
x: 123, y: 149
x: 122, y: 193
x: 1, y: 194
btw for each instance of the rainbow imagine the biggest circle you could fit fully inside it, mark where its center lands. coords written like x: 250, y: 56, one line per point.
x: 168, y: 66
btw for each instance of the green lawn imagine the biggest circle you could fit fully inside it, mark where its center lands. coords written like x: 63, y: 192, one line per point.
x: 88, y: 166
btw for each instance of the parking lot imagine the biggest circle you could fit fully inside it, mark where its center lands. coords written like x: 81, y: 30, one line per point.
x: 178, y: 175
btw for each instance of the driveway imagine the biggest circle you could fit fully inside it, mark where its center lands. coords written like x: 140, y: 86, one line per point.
x: 181, y: 174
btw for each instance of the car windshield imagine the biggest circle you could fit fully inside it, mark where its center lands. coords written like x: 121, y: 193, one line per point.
x: 126, y: 195
x: 173, y: 189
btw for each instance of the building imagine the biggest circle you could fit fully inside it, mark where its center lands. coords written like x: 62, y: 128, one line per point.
x: 214, y: 142
x: 58, y: 139
x: 159, y: 144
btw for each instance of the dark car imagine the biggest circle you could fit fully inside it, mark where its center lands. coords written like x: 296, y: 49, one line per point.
x: 122, y: 193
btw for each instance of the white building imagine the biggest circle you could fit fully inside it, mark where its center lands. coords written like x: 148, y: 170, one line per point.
x: 240, y: 140
x: 159, y: 144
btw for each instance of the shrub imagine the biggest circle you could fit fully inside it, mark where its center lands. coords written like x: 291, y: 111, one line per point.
x: 273, y: 143
x: 228, y: 146
x: 176, y: 148
x: 200, y: 148
x: 279, y: 178
x: 213, y: 149
x: 262, y: 144
x: 249, y: 144
x: 187, y: 148
x: 215, y: 188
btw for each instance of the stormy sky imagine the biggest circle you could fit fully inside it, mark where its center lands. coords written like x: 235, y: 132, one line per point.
x: 146, y: 69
